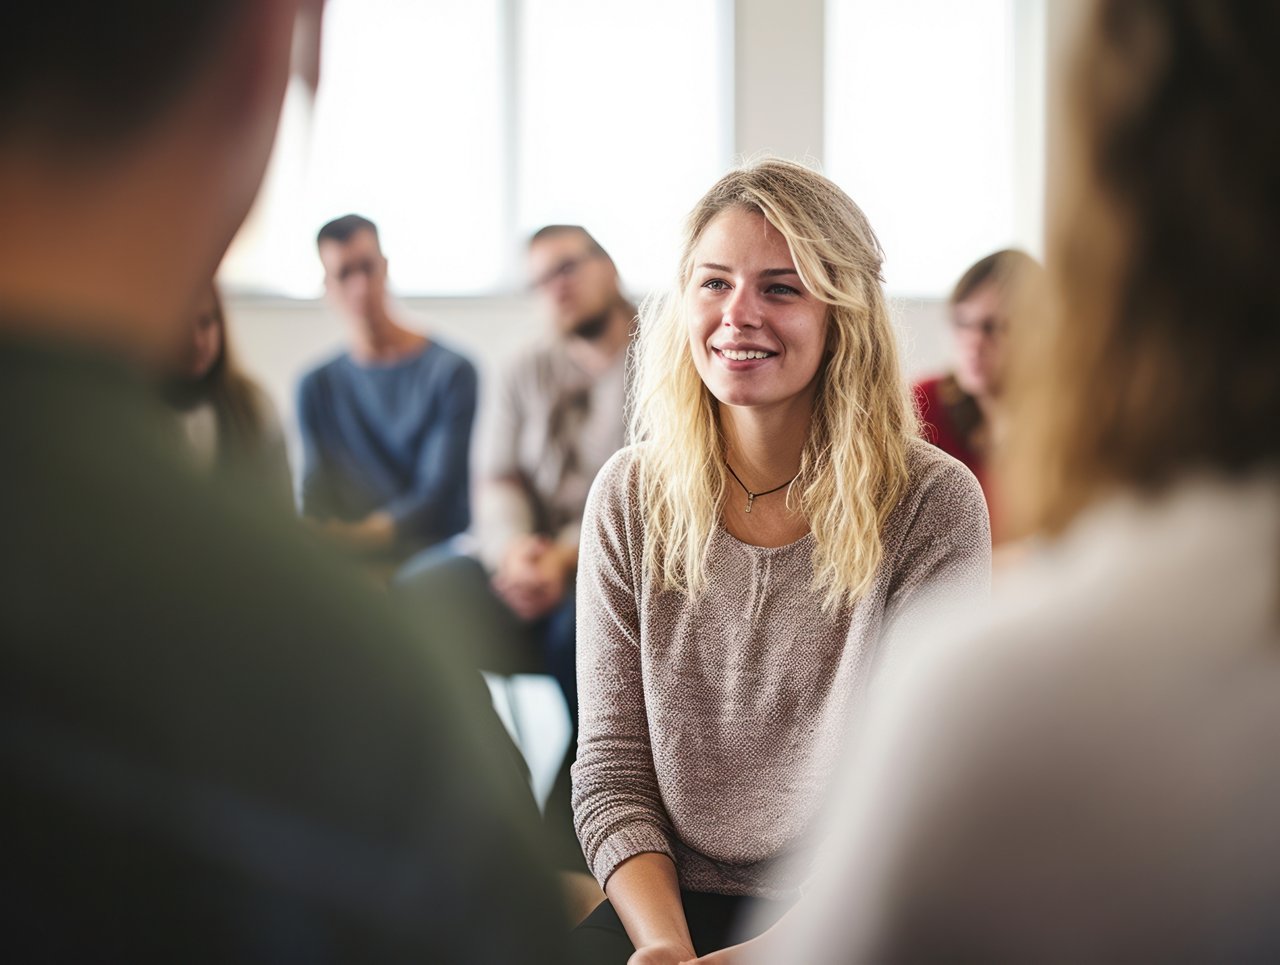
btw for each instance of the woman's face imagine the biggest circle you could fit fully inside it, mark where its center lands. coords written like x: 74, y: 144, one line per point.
x: 979, y: 326
x: 756, y: 334
x: 205, y: 344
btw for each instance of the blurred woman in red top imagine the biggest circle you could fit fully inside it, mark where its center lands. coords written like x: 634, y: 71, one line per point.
x: 960, y: 411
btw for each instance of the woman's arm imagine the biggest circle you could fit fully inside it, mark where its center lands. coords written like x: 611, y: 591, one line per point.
x: 646, y: 895
x: 622, y: 823
x: 945, y: 558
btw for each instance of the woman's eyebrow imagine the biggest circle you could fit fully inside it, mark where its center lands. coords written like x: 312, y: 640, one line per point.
x: 767, y: 273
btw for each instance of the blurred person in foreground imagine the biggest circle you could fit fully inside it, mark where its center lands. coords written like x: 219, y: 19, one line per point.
x: 386, y: 425
x: 743, y: 562
x: 227, y: 420
x: 215, y: 746
x: 960, y: 410
x: 1089, y: 772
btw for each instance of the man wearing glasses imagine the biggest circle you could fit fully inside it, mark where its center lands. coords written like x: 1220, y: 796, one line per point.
x: 386, y: 425
x: 559, y: 417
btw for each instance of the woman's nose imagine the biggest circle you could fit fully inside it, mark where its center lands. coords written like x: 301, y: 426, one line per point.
x: 742, y: 310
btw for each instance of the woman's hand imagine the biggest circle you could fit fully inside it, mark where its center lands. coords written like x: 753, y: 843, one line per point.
x: 534, y: 576
x: 665, y: 953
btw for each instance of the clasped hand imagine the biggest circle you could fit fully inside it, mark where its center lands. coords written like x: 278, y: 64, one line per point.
x: 533, y: 576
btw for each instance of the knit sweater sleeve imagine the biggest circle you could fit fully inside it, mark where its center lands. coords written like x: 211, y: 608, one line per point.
x: 617, y: 804
x: 944, y: 556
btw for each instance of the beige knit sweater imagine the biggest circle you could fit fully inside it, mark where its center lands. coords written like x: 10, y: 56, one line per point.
x: 709, y: 729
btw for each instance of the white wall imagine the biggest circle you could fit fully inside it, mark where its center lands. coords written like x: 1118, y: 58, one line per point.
x: 779, y: 53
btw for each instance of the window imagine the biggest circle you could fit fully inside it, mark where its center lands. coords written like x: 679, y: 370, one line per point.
x: 461, y: 127
x: 406, y: 129
x: 935, y: 127
x: 626, y: 113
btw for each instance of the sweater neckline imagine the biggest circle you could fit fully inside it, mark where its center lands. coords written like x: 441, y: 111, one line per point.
x: 395, y: 364
x: 765, y: 550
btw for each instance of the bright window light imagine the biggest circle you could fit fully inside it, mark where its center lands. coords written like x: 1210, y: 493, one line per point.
x: 407, y: 129
x: 935, y: 128
x: 625, y: 121
x: 461, y: 127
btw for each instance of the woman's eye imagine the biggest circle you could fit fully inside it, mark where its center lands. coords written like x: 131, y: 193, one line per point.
x: 715, y: 284
x: 783, y: 290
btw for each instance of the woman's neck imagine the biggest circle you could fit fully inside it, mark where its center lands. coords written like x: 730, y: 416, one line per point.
x: 763, y: 448
x: 764, y: 445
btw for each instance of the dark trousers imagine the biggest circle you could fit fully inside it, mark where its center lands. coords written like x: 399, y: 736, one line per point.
x: 715, y: 922
x: 451, y: 591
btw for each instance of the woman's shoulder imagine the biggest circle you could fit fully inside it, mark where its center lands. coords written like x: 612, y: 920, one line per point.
x: 617, y: 484
x: 614, y: 515
x: 942, y: 500
x: 933, y: 474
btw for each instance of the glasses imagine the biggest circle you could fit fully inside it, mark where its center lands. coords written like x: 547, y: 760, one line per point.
x: 988, y: 327
x: 565, y: 269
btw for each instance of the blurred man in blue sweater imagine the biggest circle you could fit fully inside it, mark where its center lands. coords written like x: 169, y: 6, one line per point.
x: 386, y: 425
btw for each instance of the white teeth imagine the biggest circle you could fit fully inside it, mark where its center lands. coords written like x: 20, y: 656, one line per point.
x: 735, y: 356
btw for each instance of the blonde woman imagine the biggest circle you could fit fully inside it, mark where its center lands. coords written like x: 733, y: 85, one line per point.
x: 742, y: 562
x: 1090, y: 772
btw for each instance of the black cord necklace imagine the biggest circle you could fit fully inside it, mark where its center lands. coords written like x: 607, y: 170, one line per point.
x: 751, y: 497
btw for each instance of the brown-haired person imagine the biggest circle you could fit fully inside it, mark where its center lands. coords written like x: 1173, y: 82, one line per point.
x: 215, y: 744
x: 385, y: 425
x: 228, y: 421
x: 557, y: 418
x: 1089, y: 772
x: 960, y: 410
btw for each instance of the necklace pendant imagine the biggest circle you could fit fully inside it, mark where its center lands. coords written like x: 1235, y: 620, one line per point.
x: 751, y: 498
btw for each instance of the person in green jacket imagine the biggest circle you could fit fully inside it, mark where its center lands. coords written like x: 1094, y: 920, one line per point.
x: 217, y: 745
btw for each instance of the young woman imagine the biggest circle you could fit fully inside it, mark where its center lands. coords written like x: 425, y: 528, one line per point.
x: 741, y: 563
x: 960, y: 408
x: 227, y: 420
x: 1090, y: 773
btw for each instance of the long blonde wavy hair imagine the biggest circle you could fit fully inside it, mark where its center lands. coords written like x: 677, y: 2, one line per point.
x: 853, y: 468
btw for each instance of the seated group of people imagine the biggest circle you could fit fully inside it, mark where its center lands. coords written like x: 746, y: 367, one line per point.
x: 805, y: 733
x: 387, y: 425
x: 386, y: 429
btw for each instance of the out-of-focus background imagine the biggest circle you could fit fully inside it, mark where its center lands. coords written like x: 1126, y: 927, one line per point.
x: 461, y: 127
